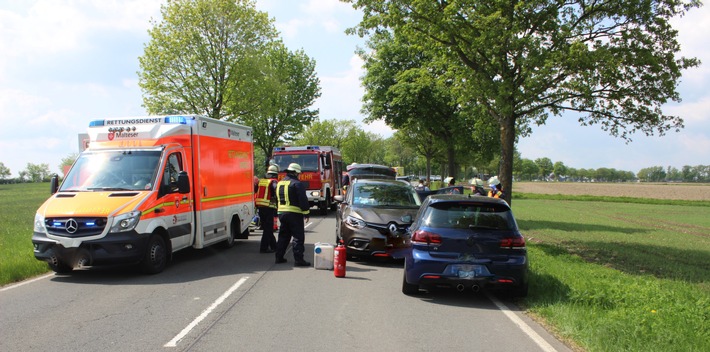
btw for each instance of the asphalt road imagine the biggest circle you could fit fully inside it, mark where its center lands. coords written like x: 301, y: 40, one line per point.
x: 237, y: 299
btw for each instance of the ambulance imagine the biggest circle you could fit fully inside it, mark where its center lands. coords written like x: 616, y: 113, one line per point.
x: 145, y: 188
x: 321, y: 169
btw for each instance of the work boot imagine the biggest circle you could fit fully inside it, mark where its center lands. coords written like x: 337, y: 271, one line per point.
x: 302, y: 263
x: 281, y: 260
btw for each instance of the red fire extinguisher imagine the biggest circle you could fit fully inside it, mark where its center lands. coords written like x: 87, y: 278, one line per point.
x: 339, y: 258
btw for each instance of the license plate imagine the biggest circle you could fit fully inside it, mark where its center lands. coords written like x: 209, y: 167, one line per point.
x: 467, y: 271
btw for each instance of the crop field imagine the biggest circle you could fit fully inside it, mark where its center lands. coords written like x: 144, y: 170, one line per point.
x: 678, y: 191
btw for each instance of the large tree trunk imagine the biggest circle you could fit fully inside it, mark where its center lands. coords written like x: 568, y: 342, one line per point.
x: 507, y: 139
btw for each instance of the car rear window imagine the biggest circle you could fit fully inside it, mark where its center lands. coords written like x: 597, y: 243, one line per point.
x: 370, y: 172
x: 468, y: 215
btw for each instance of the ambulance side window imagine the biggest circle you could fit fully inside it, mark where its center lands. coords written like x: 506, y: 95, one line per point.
x: 170, y: 174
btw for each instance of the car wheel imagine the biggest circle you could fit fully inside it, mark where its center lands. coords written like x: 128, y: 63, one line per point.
x: 156, y: 255
x: 520, y: 291
x: 407, y: 288
x: 59, y: 267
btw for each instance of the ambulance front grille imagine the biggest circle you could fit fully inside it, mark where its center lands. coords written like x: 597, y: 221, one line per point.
x: 75, y: 227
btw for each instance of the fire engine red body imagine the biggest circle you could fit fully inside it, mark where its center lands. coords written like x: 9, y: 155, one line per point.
x: 339, y: 260
x: 321, y: 168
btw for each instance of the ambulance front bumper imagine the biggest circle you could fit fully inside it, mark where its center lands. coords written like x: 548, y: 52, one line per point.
x: 116, y: 248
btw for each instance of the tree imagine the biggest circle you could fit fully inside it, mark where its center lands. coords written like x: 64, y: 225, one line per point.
x: 614, y: 63
x: 290, y: 86
x: 544, y: 167
x: 202, y: 56
x: 327, y: 132
x: 405, y: 85
x: 559, y: 169
x: 4, y: 171
x: 67, y: 161
x: 423, y: 142
x: 36, y: 172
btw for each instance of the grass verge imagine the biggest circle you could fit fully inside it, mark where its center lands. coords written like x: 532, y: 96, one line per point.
x: 614, y: 276
x: 19, y: 202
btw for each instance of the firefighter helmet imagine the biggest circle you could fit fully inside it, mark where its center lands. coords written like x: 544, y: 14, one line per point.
x: 493, y: 181
x: 294, y: 167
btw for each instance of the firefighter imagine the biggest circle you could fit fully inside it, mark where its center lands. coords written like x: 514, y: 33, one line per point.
x: 292, y: 207
x: 266, y: 206
x: 477, y: 187
x: 496, y: 188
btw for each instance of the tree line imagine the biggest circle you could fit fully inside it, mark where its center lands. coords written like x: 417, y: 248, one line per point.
x: 463, y: 79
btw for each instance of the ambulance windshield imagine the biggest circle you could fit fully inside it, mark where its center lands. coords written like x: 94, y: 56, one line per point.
x: 113, y: 170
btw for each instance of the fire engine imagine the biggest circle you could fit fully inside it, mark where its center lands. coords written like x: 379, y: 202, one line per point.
x: 321, y: 169
x: 146, y: 187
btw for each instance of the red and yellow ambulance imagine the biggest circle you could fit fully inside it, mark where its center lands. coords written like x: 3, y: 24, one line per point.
x: 145, y: 188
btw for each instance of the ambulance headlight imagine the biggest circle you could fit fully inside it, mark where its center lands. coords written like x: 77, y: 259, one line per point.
x: 39, y: 223
x: 126, y: 222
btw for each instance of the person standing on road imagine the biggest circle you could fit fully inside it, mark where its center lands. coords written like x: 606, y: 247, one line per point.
x: 292, y: 207
x: 266, y: 206
x: 496, y: 188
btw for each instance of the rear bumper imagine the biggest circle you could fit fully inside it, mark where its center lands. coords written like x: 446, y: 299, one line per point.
x: 427, y: 272
x: 123, y: 248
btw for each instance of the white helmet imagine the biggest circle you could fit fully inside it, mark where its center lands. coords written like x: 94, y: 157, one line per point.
x: 273, y: 170
x: 477, y: 182
x: 493, y: 181
x: 294, y: 167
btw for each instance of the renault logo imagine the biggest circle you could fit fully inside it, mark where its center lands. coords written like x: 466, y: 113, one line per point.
x: 393, y: 228
x: 72, y: 226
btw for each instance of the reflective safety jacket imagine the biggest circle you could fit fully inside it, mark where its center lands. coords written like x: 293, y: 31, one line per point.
x: 291, y: 196
x: 496, y: 194
x: 266, y: 193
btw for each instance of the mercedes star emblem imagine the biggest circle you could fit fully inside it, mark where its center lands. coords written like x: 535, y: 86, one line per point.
x: 72, y: 226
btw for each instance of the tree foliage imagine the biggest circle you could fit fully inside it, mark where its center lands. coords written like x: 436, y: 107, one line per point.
x: 202, y: 55
x: 613, y: 62
x: 406, y: 85
x: 4, y: 171
x: 35, y: 172
x: 290, y: 86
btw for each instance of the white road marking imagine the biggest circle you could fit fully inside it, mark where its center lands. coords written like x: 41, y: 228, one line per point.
x: 523, y: 326
x: 26, y: 282
x: 205, y: 313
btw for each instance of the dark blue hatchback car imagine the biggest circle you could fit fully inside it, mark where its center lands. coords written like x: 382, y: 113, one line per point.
x: 468, y: 243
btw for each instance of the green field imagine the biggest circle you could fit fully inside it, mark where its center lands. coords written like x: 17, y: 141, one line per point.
x: 607, y: 274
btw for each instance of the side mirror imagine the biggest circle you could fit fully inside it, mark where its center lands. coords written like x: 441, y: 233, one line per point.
x: 54, y: 184
x: 183, y: 182
x: 338, y: 198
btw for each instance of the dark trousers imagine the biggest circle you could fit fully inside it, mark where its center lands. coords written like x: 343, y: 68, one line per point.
x: 292, y: 226
x: 268, y: 241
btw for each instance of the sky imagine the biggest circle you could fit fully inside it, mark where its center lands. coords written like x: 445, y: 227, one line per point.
x: 65, y: 63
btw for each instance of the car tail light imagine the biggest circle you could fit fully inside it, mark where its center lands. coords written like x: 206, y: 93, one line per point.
x: 512, y: 242
x: 426, y: 237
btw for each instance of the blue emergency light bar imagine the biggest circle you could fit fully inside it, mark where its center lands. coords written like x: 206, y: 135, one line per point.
x: 96, y: 123
x: 308, y: 147
x: 176, y: 119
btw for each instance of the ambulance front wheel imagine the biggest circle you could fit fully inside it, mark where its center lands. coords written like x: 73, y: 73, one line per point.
x: 156, y: 255
x: 59, y: 267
